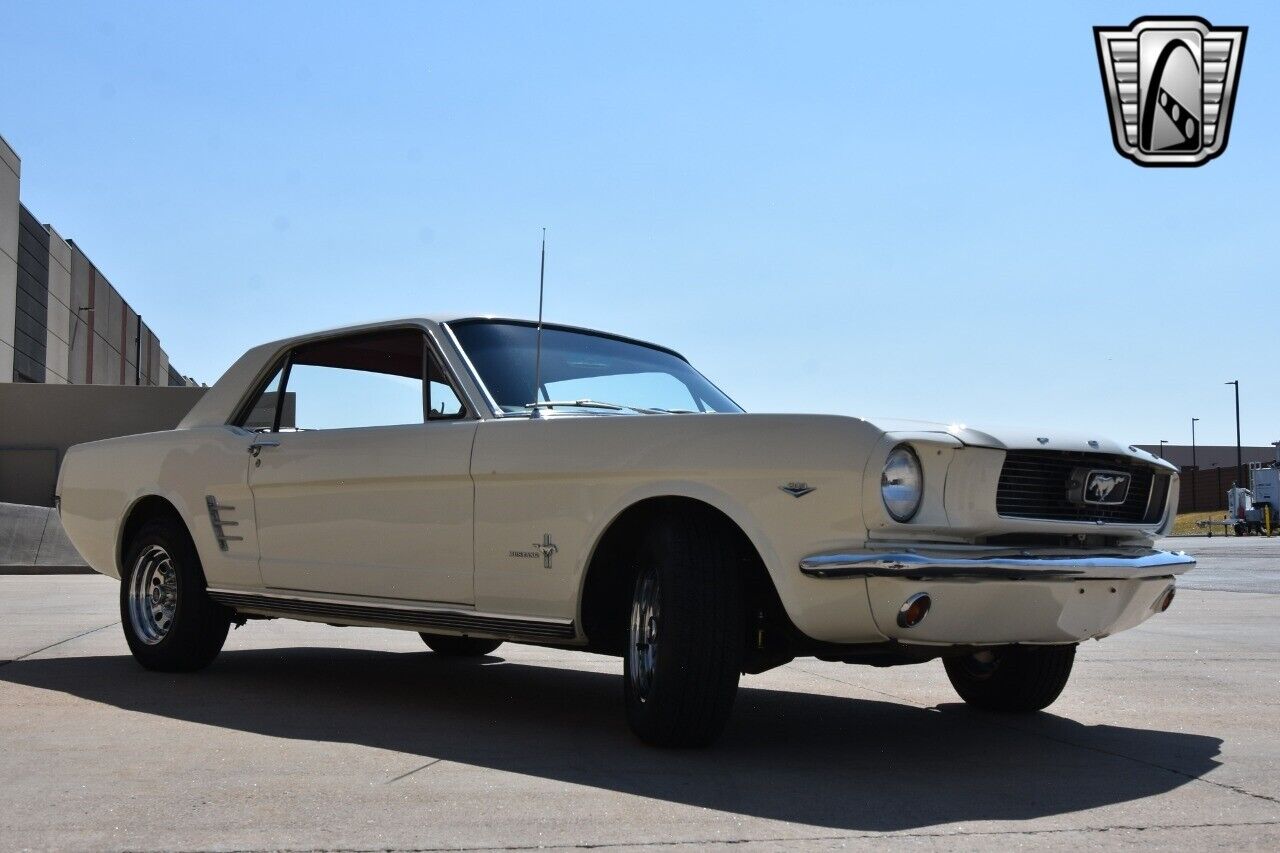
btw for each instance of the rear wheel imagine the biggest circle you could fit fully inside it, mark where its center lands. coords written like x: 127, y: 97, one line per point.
x: 1013, y: 679
x: 684, y: 638
x: 169, y: 621
x: 459, y: 647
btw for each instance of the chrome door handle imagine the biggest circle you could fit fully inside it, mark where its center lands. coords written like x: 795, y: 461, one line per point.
x: 256, y: 447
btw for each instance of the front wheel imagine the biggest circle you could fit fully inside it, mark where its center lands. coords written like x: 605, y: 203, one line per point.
x: 450, y: 646
x: 169, y: 621
x: 684, y: 638
x: 1012, y: 679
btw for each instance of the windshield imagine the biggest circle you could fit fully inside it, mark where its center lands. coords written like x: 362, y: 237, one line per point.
x: 582, y: 371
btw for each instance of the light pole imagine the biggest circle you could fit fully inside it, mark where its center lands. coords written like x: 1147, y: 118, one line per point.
x: 1163, y: 442
x: 1239, y: 461
x: 1194, y: 468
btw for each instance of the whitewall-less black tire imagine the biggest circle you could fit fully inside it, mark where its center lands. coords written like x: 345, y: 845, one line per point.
x: 1012, y: 679
x: 170, y: 623
x: 685, y: 636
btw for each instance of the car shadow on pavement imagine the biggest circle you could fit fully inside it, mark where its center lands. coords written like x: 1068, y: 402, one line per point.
x: 851, y: 764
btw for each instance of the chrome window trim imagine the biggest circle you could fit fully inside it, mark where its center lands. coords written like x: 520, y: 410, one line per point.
x: 472, y: 411
x: 494, y: 409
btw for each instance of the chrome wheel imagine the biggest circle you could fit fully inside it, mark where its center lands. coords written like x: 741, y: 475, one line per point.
x: 642, y: 645
x: 153, y: 595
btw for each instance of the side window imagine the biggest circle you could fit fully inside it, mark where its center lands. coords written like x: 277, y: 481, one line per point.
x: 360, y: 381
x: 364, y: 381
x: 443, y: 402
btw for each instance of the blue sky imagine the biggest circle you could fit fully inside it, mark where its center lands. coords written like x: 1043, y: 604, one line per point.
x: 890, y: 209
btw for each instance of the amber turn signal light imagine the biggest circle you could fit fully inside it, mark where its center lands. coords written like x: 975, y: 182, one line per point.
x: 914, y: 609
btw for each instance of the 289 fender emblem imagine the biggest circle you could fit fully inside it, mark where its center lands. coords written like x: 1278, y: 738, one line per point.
x: 797, y: 490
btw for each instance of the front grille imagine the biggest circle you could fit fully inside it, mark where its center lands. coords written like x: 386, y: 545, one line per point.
x: 1035, y: 484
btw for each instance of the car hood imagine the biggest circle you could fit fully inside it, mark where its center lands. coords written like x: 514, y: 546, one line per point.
x: 1020, y: 438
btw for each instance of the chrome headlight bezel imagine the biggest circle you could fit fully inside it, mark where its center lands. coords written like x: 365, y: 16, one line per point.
x: 902, y: 456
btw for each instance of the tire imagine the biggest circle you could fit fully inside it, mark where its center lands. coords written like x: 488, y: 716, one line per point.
x: 685, y: 637
x: 169, y: 621
x: 1017, y: 679
x: 449, y: 646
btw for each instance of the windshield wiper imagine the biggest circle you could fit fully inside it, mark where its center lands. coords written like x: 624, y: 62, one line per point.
x: 591, y: 404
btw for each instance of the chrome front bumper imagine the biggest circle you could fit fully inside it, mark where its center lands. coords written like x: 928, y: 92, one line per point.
x: 922, y: 564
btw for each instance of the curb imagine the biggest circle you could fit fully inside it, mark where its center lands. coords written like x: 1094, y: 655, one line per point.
x: 46, y: 570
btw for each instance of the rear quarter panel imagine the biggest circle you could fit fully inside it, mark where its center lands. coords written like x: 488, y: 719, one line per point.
x: 100, y: 483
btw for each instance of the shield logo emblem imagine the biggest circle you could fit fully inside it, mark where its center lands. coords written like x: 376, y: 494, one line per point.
x: 1170, y: 85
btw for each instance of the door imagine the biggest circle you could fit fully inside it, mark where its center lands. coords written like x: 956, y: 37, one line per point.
x: 361, y: 486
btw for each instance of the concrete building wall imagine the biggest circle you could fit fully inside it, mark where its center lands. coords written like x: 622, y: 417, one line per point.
x: 1209, y: 455
x: 31, y: 329
x: 131, y: 374
x: 10, y: 171
x: 113, y: 332
x: 99, y: 357
x: 101, y: 302
x: 41, y: 421
x: 81, y: 321
x: 58, y: 343
x: 61, y: 320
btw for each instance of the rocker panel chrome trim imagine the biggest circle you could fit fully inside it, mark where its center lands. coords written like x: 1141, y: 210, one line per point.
x: 399, y: 616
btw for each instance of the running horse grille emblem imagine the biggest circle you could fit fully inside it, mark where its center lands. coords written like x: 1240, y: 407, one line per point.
x: 1106, y: 487
x: 1171, y: 87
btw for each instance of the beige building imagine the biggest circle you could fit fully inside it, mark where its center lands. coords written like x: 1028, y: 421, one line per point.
x: 61, y: 320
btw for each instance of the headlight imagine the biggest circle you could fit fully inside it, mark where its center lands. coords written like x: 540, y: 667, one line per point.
x: 902, y: 483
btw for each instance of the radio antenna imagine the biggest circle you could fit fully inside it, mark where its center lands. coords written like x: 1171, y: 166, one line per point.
x: 537, y: 357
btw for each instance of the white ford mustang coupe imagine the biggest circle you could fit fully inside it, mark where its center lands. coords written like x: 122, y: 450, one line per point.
x: 481, y: 480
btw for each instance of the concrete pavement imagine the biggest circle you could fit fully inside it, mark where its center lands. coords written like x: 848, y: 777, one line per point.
x: 1230, y: 563
x: 304, y: 737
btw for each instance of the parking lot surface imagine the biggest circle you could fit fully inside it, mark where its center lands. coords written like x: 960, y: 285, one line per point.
x: 1230, y: 563
x: 305, y: 737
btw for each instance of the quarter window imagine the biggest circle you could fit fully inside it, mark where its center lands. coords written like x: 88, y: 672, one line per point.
x: 261, y: 416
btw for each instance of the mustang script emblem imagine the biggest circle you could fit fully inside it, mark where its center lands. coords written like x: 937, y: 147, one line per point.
x: 1106, y: 487
x: 1170, y: 85
x: 545, y: 549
